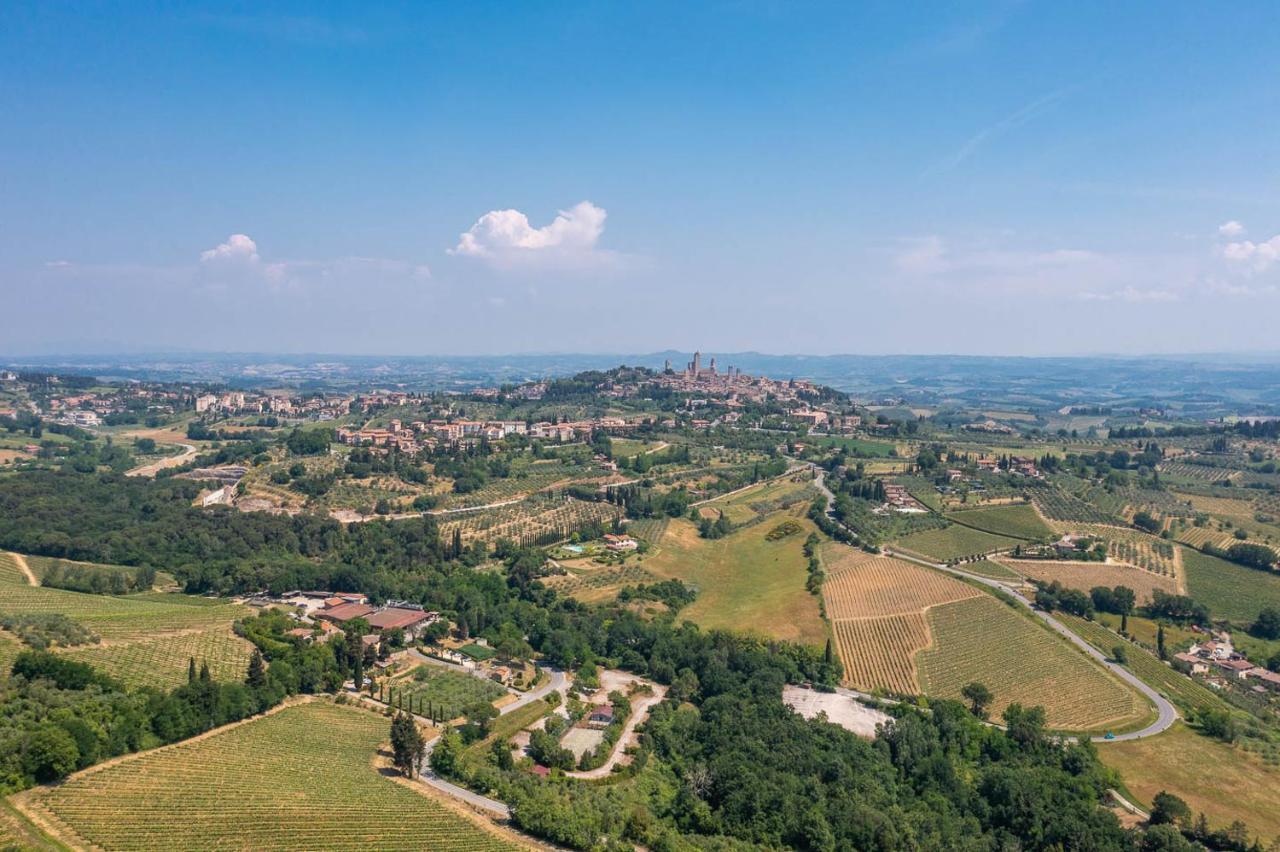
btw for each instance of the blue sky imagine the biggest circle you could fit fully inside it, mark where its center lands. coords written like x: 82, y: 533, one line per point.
x: 1022, y: 178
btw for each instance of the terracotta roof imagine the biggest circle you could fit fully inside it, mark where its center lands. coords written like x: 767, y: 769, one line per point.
x: 393, y: 617
x: 347, y: 611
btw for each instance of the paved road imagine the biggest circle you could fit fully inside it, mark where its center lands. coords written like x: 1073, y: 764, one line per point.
x: 639, y: 712
x: 558, y: 682
x: 188, y: 452
x: 1166, y: 713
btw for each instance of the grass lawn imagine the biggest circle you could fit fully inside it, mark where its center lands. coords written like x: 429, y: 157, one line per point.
x: 478, y: 652
x: 858, y: 447
x: 955, y: 542
x: 300, y: 778
x: 1017, y: 521
x: 1231, y: 591
x: 1225, y: 782
x: 744, y: 582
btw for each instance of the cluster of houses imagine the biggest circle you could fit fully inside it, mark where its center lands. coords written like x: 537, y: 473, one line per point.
x: 87, y: 409
x: 897, y: 499
x: 240, y: 402
x: 1218, y: 656
x: 419, y: 434
x: 326, y: 614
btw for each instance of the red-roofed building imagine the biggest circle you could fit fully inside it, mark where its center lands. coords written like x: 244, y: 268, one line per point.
x: 346, y: 612
x: 411, y: 621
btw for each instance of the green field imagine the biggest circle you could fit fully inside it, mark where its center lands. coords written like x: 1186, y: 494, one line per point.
x: 744, y: 581
x: 1223, y: 781
x: 955, y: 542
x: 858, y: 447
x: 983, y: 639
x: 301, y: 778
x: 987, y: 568
x: 1015, y: 521
x: 446, y: 691
x: 1231, y: 591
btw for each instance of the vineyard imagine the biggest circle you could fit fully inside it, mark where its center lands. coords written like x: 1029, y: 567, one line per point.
x: 147, y: 639
x: 1197, y: 472
x: 1188, y: 694
x: 533, y: 522
x: 1015, y: 521
x: 1227, y: 507
x: 524, y: 480
x: 1085, y: 575
x: 878, y: 653
x: 876, y: 606
x: 300, y: 778
x: 982, y: 639
x: 1231, y: 591
x: 592, y: 584
x: 648, y: 529
x: 1136, y: 548
x: 162, y: 662
x: 444, y: 691
x: 115, y: 619
x: 863, y: 585
x: 955, y: 542
x: 1060, y: 507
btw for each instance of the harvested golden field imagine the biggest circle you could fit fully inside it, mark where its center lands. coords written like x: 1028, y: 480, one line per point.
x: 1224, y: 781
x: 983, y: 639
x: 879, y: 653
x: 863, y: 585
x: 1085, y: 575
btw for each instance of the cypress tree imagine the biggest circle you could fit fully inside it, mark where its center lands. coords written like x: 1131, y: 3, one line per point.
x: 191, y: 670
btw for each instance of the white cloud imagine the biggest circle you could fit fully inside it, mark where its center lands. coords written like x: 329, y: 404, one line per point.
x: 1231, y: 229
x: 505, y: 236
x: 238, y: 259
x: 1256, y: 256
x: 238, y: 247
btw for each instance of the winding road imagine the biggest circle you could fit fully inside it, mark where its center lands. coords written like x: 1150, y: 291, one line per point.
x: 1166, y: 713
x: 558, y: 682
x: 188, y: 452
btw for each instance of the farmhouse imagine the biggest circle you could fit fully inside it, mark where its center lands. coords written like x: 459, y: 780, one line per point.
x: 1196, y: 665
x: 601, y: 716
x: 619, y: 543
x: 1267, y: 679
x: 1239, y: 668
